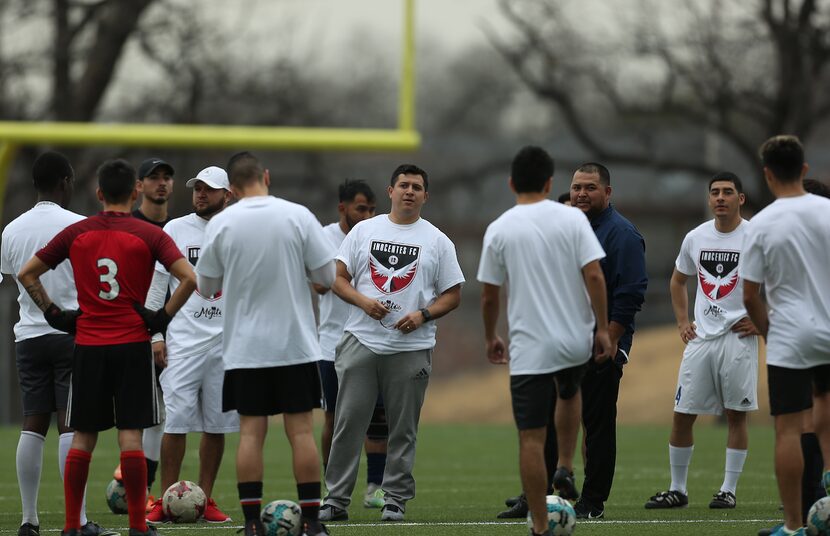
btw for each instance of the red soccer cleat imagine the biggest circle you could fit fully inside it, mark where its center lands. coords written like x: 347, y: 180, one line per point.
x: 155, y: 513
x: 213, y: 514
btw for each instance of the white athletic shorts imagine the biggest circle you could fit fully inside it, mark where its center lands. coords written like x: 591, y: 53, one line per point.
x: 716, y: 374
x: 193, y: 394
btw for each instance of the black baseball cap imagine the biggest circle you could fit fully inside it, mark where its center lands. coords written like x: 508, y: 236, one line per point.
x: 150, y: 165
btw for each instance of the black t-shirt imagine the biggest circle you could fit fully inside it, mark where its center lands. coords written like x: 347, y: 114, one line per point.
x: 140, y: 215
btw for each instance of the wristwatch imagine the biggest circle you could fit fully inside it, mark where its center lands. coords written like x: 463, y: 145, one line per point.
x: 427, y: 315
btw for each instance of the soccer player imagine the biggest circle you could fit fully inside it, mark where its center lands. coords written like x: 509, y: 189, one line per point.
x: 259, y: 252
x: 192, y: 352
x: 112, y: 256
x: 787, y: 249
x: 401, y: 273
x: 624, y: 268
x: 719, y: 370
x: 44, y: 354
x: 550, y: 256
x: 357, y: 203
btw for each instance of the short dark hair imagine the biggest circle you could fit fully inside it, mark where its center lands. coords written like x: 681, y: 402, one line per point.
x: 116, y: 179
x: 409, y: 169
x: 817, y: 187
x: 784, y: 157
x: 530, y: 170
x: 349, y: 189
x: 563, y: 198
x: 243, y: 169
x: 727, y: 176
x: 592, y: 168
x: 49, y: 170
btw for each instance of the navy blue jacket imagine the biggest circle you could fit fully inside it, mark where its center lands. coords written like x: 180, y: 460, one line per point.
x: 624, y: 268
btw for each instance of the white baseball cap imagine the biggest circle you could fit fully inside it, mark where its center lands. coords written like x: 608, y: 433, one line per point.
x: 213, y: 176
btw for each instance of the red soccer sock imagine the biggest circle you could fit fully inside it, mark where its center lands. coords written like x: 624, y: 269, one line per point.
x: 134, y: 473
x: 74, y: 482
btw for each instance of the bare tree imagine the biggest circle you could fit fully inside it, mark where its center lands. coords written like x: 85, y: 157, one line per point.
x: 738, y: 72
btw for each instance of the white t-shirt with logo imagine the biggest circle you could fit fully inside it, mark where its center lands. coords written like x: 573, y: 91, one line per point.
x: 262, y: 247
x: 405, y: 267
x: 787, y: 248
x: 714, y: 257
x: 198, y: 324
x: 22, y: 238
x: 539, y: 250
x: 333, y: 310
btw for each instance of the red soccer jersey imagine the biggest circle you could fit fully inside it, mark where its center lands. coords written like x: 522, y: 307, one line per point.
x: 113, y: 256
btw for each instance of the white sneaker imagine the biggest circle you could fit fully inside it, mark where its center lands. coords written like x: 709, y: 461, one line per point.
x: 374, y: 496
x: 391, y: 512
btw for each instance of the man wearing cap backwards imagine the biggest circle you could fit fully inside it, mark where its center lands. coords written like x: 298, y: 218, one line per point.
x: 155, y: 183
x: 192, y: 353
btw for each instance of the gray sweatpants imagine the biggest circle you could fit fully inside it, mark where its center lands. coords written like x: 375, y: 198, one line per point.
x: 402, y: 379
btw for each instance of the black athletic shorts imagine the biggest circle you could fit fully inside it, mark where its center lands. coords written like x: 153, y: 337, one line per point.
x: 328, y: 377
x: 791, y: 390
x: 273, y: 390
x: 533, y: 395
x: 113, y: 385
x: 44, y: 369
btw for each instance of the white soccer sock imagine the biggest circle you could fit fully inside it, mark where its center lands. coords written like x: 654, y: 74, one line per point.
x: 734, y: 465
x: 151, y: 442
x: 29, y: 463
x: 64, y: 444
x: 679, y: 459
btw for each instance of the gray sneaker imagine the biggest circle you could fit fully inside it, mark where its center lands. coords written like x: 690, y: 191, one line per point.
x: 391, y: 512
x: 329, y: 512
x: 94, y: 529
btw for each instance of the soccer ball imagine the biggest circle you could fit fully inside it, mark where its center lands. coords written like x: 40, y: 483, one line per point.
x: 184, y: 502
x: 818, y: 520
x: 561, y: 516
x: 117, y: 497
x: 282, y: 518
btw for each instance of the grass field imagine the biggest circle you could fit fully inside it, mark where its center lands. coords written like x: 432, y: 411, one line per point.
x: 464, y: 472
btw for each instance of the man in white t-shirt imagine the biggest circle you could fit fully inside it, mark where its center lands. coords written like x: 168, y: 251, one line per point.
x: 787, y: 249
x: 719, y: 370
x: 550, y: 255
x: 356, y: 203
x: 401, y: 273
x: 44, y: 353
x: 260, y: 252
x: 191, y: 355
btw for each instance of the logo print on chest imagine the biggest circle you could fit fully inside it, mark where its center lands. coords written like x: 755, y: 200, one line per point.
x: 717, y: 272
x: 392, y: 266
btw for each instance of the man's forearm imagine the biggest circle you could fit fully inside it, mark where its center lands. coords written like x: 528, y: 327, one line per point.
x: 490, y: 315
x: 446, y: 302
x: 346, y: 292
x: 180, y: 296
x: 596, y: 291
x: 757, y: 311
x: 38, y: 294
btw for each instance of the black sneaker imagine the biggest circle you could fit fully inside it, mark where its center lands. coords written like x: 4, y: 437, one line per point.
x: 329, y: 512
x: 252, y: 527
x: 565, y: 484
x: 510, y: 501
x: 94, y: 529
x: 27, y: 529
x: 391, y: 512
x: 151, y: 531
x: 584, y: 510
x: 314, y: 528
x: 517, y: 511
x: 668, y: 499
x: 723, y: 499
x: 70, y: 532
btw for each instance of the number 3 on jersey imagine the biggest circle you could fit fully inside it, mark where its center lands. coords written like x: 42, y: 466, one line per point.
x: 108, y: 280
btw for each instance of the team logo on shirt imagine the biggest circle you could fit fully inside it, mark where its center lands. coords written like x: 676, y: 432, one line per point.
x: 193, y: 258
x: 717, y: 272
x: 393, y: 266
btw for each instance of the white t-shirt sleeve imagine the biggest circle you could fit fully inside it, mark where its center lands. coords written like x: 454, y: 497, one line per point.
x: 5, y: 262
x: 491, y: 268
x: 449, y: 271
x: 317, y: 249
x: 751, y: 267
x: 209, y: 264
x: 347, y: 249
x: 684, y: 263
x: 589, y: 248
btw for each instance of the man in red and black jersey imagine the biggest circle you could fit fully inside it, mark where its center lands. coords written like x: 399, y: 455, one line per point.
x: 113, y: 256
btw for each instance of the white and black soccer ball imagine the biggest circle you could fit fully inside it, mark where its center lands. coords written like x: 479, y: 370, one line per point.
x: 282, y: 518
x: 117, y: 497
x: 561, y: 516
x: 818, y: 520
x: 184, y: 502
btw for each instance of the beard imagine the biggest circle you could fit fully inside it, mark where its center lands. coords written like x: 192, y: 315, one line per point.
x: 210, y: 210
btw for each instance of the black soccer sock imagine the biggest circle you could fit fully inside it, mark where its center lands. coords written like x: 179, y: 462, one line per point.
x: 811, y: 488
x: 309, y: 495
x: 375, y: 465
x: 250, y: 497
x: 152, y: 467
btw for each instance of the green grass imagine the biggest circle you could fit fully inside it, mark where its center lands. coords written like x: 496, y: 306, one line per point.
x: 463, y: 472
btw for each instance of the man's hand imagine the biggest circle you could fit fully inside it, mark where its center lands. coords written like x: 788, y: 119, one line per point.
x: 687, y: 331
x: 374, y: 308
x: 160, y: 354
x: 410, y: 322
x: 602, y: 346
x: 496, y: 351
x: 60, y: 319
x: 156, y: 321
x: 745, y: 328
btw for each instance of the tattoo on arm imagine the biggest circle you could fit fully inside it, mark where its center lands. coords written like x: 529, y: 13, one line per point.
x: 38, y: 295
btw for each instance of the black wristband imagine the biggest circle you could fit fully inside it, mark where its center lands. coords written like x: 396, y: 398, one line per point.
x: 427, y: 315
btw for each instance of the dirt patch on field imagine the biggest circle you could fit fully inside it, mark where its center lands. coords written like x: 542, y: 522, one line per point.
x: 646, y: 393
